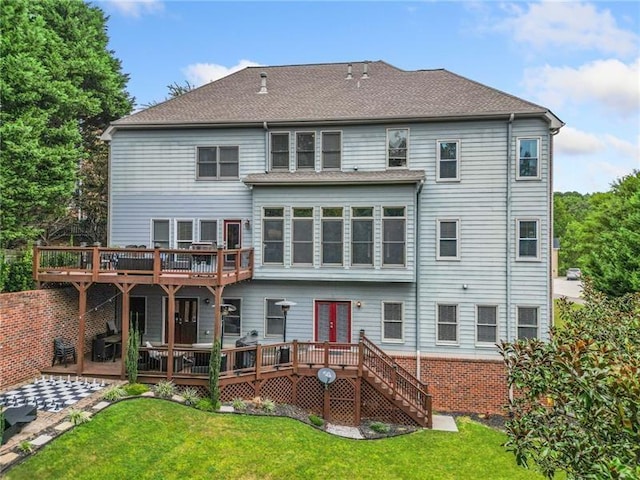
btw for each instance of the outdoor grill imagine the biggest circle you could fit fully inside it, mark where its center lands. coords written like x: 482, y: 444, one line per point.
x: 246, y: 359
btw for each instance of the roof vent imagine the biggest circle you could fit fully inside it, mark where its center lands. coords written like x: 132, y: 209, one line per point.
x: 263, y: 82
x: 349, y: 73
x: 365, y: 70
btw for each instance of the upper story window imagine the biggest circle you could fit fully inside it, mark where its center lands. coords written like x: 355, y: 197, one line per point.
x: 393, y: 235
x: 184, y: 233
x: 528, y: 158
x: 528, y: 240
x: 448, y: 160
x: 332, y: 236
x: 273, y: 235
x: 306, y: 150
x: 447, y: 323
x: 487, y: 324
x: 217, y: 163
x: 448, y: 240
x: 280, y: 151
x: 160, y: 233
x: 528, y: 322
x: 302, y: 237
x: 392, y: 321
x: 362, y: 236
x: 331, y: 150
x: 397, y: 147
x: 209, y: 231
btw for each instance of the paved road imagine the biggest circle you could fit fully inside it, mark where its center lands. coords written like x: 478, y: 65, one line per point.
x: 567, y: 288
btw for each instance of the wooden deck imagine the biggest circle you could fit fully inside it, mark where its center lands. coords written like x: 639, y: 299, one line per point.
x: 154, y: 266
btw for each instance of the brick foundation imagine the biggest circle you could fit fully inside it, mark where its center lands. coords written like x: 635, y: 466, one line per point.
x: 30, y: 320
x: 462, y: 385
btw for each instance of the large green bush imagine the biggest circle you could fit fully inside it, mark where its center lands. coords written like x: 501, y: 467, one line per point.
x: 16, y: 275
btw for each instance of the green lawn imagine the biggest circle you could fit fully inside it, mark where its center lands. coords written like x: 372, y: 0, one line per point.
x: 153, y: 439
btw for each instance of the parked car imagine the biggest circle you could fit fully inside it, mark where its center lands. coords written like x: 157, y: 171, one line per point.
x: 574, y: 274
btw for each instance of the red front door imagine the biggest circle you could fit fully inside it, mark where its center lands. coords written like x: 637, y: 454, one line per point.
x: 333, y: 322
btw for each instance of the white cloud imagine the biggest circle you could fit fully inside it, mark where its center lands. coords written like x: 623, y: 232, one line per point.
x: 136, y: 8
x: 625, y: 148
x: 201, y: 73
x: 568, y: 25
x: 610, y: 83
x: 571, y: 141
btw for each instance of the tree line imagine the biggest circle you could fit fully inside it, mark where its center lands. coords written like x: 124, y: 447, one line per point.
x: 600, y: 233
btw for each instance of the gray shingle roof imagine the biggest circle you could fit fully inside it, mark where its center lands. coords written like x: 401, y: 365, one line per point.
x: 321, y: 92
x: 335, y: 177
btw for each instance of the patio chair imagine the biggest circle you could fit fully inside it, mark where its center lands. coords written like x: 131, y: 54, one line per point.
x: 62, y: 350
x: 101, y: 351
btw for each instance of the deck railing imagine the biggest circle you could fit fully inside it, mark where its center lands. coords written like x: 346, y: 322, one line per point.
x: 107, y: 264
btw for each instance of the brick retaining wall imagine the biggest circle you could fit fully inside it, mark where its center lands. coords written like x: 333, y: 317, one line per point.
x: 30, y: 320
x: 462, y: 385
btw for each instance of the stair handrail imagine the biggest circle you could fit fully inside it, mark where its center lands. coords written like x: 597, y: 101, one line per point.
x: 413, y: 390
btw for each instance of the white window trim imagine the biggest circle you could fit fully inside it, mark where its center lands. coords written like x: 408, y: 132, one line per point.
x: 339, y: 169
x: 537, y: 258
x: 271, y: 167
x: 386, y: 147
x: 488, y: 344
x: 264, y: 316
x: 322, y: 219
x: 151, y: 239
x: 199, y: 223
x: 262, y: 241
x: 539, y: 169
x: 448, y: 342
x: 538, y: 311
x: 405, y: 217
x: 312, y: 218
x: 382, y: 321
x: 457, y: 177
x: 315, y: 150
x: 224, y: 300
x: 217, y: 178
x: 175, y: 230
x: 458, y: 242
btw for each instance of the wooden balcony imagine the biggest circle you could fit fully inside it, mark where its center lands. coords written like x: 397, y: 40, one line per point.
x: 157, y: 266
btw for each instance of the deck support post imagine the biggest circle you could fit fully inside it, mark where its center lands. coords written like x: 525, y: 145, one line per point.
x: 125, y: 288
x: 171, y: 324
x: 82, y: 312
x: 217, y: 324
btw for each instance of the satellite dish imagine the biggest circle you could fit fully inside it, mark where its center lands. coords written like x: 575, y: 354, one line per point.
x: 326, y: 376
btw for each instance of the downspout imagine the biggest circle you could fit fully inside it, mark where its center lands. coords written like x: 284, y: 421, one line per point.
x: 508, y: 223
x: 417, y: 282
x: 266, y: 146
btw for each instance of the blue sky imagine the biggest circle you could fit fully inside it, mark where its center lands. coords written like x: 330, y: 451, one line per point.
x: 579, y: 59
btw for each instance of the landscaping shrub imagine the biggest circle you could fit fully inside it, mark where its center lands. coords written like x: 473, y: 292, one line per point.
x: 190, y: 396
x: 205, y: 405
x: 316, y: 420
x: 133, y: 348
x: 239, y: 404
x: 268, y: 405
x: 77, y: 416
x: 133, y: 389
x: 114, y: 393
x: 165, y: 389
x: 380, y: 427
x: 25, y: 446
x: 17, y: 275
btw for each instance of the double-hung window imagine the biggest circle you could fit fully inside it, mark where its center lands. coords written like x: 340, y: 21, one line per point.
x: 331, y: 150
x: 209, y: 232
x: 362, y: 236
x: 332, y: 236
x: 528, y: 158
x: 487, y: 324
x: 448, y: 160
x: 306, y: 150
x: 231, y: 323
x: 447, y: 323
x: 302, y: 238
x: 274, y: 318
x: 528, y: 242
x: 160, y: 234
x: 528, y: 322
x: 393, y: 235
x: 273, y: 235
x: 217, y: 163
x: 448, y: 232
x: 392, y: 321
x: 184, y: 233
x: 280, y: 151
x: 397, y: 147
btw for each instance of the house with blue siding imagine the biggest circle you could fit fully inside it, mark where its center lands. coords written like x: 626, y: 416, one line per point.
x: 413, y: 205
